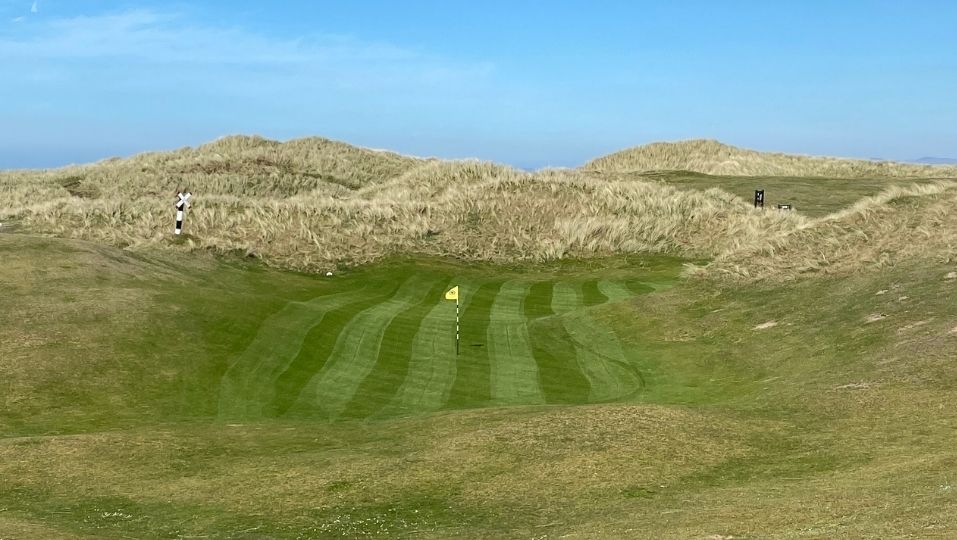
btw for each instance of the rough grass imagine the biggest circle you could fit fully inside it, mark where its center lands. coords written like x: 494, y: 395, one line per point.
x: 823, y: 425
x: 314, y: 204
x: 714, y: 158
x: 809, y: 196
x: 470, y: 210
x: 897, y: 225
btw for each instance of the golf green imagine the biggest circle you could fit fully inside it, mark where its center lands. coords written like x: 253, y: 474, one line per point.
x: 384, y: 345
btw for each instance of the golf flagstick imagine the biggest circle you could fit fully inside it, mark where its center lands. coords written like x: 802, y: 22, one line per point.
x: 453, y: 294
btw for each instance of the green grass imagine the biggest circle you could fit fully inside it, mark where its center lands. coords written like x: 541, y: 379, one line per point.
x: 387, y: 348
x: 181, y: 395
x: 392, y: 362
x: 513, y: 371
x: 472, y: 386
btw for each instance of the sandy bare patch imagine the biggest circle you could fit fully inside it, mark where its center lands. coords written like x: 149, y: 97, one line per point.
x: 913, y: 325
x: 874, y: 317
x: 854, y: 386
x: 769, y: 324
x: 880, y: 292
x: 951, y: 275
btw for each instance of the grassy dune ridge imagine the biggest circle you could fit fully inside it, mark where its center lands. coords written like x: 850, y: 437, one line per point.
x: 313, y: 204
x: 714, y: 158
x: 478, y: 211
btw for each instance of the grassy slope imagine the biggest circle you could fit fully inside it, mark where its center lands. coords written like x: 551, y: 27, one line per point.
x: 117, y: 422
x: 715, y: 158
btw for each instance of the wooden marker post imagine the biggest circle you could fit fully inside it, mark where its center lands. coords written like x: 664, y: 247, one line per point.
x: 181, y: 205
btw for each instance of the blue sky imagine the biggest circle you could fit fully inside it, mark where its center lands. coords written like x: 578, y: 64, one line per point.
x: 529, y: 83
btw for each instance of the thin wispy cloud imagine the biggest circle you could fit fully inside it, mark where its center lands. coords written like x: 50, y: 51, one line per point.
x: 35, y: 8
x: 153, y: 40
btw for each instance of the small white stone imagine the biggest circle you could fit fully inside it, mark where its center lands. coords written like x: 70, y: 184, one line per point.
x: 328, y: 274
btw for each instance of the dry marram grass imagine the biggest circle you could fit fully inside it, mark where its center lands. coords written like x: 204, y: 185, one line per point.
x: 899, y: 224
x: 312, y: 203
x: 712, y: 157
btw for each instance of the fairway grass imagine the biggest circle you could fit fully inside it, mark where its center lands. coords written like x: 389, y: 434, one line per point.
x: 173, y: 395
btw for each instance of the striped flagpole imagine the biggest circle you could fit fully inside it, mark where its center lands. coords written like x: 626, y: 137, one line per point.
x: 181, y: 205
x: 453, y: 294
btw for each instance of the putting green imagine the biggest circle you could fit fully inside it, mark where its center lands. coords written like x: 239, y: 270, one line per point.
x: 384, y: 345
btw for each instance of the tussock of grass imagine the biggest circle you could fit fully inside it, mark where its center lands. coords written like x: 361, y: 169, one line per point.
x: 713, y: 157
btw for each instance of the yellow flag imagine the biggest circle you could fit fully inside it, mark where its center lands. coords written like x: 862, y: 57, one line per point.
x: 453, y: 293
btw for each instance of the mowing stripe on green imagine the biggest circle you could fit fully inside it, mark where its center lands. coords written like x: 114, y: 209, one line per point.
x: 591, y: 294
x: 598, y: 351
x: 566, y: 297
x: 316, y: 349
x: 244, y: 390
x: 431, y: 370
x: 560, y: 377
x: 473, y: 385
x: 392, y: 364
x: 538, y: 301
x: 601, y: 358
x: 356, y: 351
x: 615, y: 291
x: 513, y: 371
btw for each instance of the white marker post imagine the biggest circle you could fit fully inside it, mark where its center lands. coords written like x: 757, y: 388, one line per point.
x: 181, y: 205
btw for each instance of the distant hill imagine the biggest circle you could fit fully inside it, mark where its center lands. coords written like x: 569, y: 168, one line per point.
x: 715, y: 158
x: 936, y: 161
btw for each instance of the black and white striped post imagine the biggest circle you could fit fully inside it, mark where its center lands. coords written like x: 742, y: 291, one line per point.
x: 453, y: 294
x: 181, y: 205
